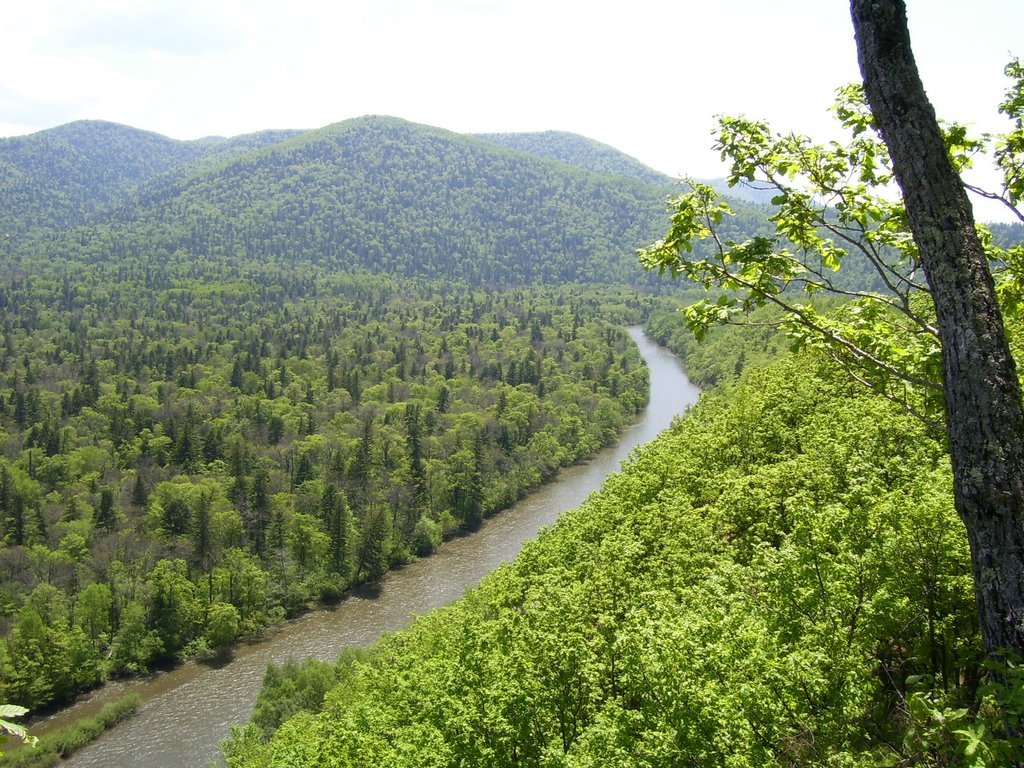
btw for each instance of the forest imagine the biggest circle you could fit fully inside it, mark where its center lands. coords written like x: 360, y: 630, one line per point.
x: 783, y: 577
x: 239, y: 377
x: 163, y: 496
x: 211, y: 420
x: 779, y: 579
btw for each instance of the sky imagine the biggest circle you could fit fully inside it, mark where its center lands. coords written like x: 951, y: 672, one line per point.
x: 647, y: 77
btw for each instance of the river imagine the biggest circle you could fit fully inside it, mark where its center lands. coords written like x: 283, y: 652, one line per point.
x: 187, y: 712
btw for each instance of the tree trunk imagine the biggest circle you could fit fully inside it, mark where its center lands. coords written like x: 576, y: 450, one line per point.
x: 984, y: 414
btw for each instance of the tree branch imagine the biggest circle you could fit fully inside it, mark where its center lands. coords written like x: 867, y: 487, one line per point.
x: 993, y: 196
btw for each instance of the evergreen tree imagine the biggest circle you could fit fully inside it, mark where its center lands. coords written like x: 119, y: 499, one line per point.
x: 105, y: 517
x: 140, y: 496
x: 375, y: 545
x: 340, y: 529
x: 259, y: 510
x: 176, y: 517
x: 202, y: 545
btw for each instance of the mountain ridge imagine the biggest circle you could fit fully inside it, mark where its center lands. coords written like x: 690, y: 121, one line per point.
x: 580, y: 151
x: 383, y: 194
x: 67, y: 175
x: 375, y: 193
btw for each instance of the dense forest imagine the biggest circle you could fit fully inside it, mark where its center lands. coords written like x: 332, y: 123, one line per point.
x: 72, y: 174
x: 784, y: 577
x: 240, y: 376
x: 779, y: 579
x: 164, y: 494
x: 374, y: 194
x: 233, y: 384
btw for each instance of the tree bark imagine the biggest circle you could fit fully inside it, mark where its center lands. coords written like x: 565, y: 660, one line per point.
x: 984, y: 413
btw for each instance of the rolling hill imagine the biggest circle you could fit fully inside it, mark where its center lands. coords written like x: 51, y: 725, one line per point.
x: 384, y: 195
x: 66, y: 175
x: 581, y: 152
x: 372, y: 194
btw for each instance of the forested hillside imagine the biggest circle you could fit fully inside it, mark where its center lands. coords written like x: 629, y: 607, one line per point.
x: 383, y: 195
x: 268, y: 368
x: 373, y: 194
x: 581, y: 152
x: 241, y: 376
x: 67, y: 175
x: 762, y: 585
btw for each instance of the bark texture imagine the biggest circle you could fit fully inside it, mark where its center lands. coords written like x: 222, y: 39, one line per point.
x: 984, y: 413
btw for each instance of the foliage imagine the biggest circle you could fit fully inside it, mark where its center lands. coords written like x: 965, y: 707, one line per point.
x: 755, y: 588
x: 373, y: 194
x: 262, y: 442
x: 1009, y: 148
x: 7, y: 727
x: 988, y: 737
x: 833, y: 208
x: 212, y: 416
x: 68, y: 175
x: 299, y: 687
x: 725, y: 351
x: 52, y: 748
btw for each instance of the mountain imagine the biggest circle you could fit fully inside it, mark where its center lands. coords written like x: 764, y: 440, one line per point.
x: 594, y: 156
x: 581, y: 152
x: 381, y: 194
x: 204, y: 387
x: 374, y: 194
x: 64, y: 176
x: 591, y: 155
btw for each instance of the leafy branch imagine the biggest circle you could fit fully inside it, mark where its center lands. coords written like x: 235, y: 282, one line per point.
x: 835, y: 207
x: 8, y: 711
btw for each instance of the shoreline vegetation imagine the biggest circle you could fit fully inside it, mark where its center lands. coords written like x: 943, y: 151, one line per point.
x: 122, y: 709
x: 230, y: 500
x: 63, y: 743
x: 780, y: 573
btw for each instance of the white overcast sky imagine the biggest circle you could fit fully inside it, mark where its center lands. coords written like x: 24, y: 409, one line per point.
x: 645, y: 76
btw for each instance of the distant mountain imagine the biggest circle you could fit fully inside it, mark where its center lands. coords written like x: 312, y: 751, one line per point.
x: 65, y: 176
x: 600, y: 158
x: 375, y: 194
x: 384, y: 195
x: 581, y: 152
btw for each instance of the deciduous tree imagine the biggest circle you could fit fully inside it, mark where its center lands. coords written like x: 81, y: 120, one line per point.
x: 984, y: 413
x: 924, y: 327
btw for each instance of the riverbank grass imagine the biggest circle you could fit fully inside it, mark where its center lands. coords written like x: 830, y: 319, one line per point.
x: 65, y: 742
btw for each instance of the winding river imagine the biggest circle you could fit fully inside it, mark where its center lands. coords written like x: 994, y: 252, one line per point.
x: 187, y: 712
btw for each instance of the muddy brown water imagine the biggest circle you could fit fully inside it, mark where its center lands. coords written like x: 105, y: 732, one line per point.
x: 188, y: 711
